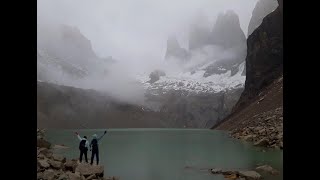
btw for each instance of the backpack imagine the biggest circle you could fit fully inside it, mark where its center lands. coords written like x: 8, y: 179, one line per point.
x: 94, y: 144
x: 82, y: 145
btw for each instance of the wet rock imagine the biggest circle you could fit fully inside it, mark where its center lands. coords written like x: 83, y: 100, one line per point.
x: 232, y: 176
x: 268, y: 169
x: 250, y: 175
x: 228, y: 172
x: 216, y: 171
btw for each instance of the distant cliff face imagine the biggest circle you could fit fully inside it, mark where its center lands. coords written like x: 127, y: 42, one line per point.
x: 175, y: 51
x: 262, y: 9
x: 65, y: 55
x: 227, y: 31
x: 66, y: 42
x: 264, y: 62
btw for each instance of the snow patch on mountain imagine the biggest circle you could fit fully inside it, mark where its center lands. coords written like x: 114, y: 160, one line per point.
x: 195, y: 82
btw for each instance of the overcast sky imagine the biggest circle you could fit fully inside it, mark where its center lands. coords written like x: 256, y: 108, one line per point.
x: 137, y: 30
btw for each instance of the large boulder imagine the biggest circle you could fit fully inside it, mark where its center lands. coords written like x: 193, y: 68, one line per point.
x: 58, y: 157
x: 43, y: 163
x: 49, y: 174
x: 39, y: 175
x: 63, y: 176
x: 74, y: 176
x: 55, y: 164
x: 42, y: 143
x: 268, y: 169
x: 70, y: 165
x: 250, y: 175
x: 87, y: 170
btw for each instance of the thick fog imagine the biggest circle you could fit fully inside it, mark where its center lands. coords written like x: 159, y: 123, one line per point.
x: 135, y: 32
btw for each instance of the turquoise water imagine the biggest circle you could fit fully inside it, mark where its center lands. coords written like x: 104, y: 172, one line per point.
x: 169, y: 154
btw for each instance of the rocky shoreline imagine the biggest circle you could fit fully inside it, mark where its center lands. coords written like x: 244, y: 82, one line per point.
x: 51, y: 166
x: 245, y: 174
x: 265, y: 130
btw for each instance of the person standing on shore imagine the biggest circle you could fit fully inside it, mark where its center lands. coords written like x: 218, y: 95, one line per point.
x: 94, y: 147
x: 83, y: 147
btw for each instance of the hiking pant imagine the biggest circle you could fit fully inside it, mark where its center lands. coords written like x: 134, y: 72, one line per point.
x: 95, y: 152
x: 85, y: 154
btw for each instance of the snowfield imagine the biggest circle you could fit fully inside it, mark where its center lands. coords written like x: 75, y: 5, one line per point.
x: 195, y: 82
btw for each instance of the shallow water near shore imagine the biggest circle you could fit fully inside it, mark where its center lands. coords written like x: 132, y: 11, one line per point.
x: 169, y: 154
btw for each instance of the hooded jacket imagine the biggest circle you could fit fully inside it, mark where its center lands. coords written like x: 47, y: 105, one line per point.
x: 87, y: 142
x: 95, y: 136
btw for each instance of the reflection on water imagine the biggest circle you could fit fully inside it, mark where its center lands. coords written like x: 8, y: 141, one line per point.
x: 173, y: 154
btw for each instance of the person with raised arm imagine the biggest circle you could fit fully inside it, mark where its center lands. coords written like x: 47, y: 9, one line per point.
x: 94, y: 147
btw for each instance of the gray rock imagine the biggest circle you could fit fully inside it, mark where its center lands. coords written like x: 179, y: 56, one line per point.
x: 250, y: 175
x: 55, y: 164
x: 268, y: 169
x: 58, y: 157
x: 262, y: 142
x: 40, y: 156
x: 42, y: 143
x: 48, y: 174
x: 74, y: 176
x: 39, y: 175
x: 248, y: 138
x: 63, y: 176
x: 216, y: 171
x: 70, y: 165
x: 87, y: 170
x: 262, y: 131
x: 43, y: 163
x: 93, y: 176
x: 228, y: 172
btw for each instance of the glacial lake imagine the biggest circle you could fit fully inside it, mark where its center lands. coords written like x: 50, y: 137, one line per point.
x: 169, y: 154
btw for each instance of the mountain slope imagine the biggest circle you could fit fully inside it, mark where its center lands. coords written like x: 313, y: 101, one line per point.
x: 258, y: 115
x: 68, y: 107
x: 264, y: 61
